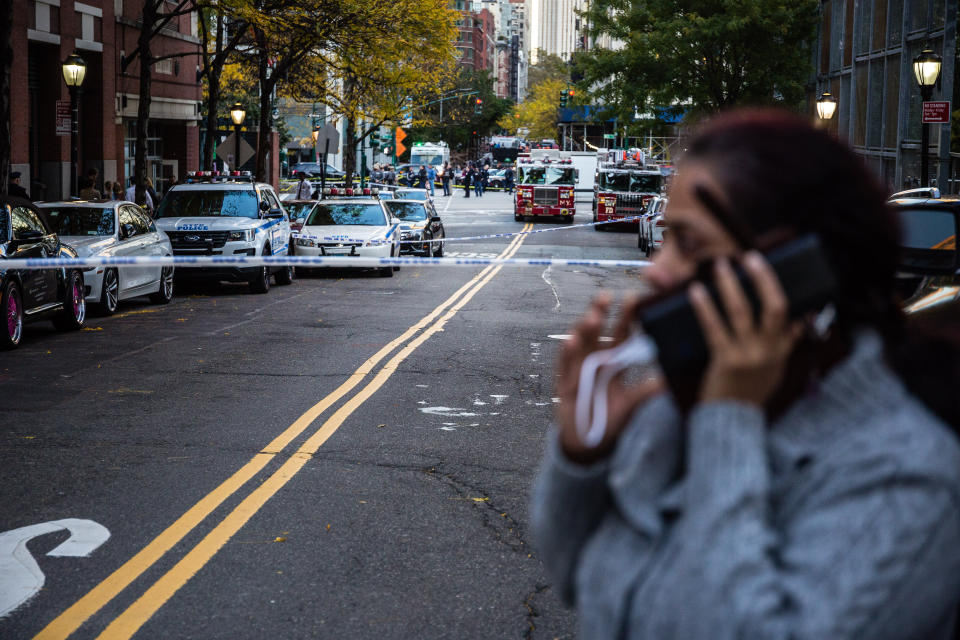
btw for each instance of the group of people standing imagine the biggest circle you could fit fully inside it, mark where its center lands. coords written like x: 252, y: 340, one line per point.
x: 89, y: 191
x: 471, y: 175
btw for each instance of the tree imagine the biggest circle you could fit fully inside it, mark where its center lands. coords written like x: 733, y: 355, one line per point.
x: 459, y: 118
x: 219, y: 45
x: 549, y: 67
x: 396, y: 56
x: 698, y: 56
x: 538, y: 113
x: 155, y: 16
x: 6, y: 61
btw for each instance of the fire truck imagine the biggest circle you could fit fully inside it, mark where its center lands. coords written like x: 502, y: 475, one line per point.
x: 546, y: 181
x: 623, y: 190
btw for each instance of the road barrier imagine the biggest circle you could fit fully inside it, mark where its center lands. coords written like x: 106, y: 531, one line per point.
x: 307, y: 262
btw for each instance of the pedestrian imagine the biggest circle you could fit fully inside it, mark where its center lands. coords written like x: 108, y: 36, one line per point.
x: 93, y: 175
x: 117, y: 193
x: 445, y: 178
x: 304, y: 188
x: 390, y: 176
x: 145, y: 201
x: 14, y: 188
x: 805, y: 484
x: 467, y: 176
x: 377, y: 175
x: 508, y: 179
x: 89, y: 192
x: 154, y: 198
x: 478, y: 181
x: 422, y: 176
x: 107, y: 189
x: 431, y: 179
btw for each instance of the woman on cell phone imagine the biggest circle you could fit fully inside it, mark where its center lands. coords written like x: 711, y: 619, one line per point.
x: 807, y: 485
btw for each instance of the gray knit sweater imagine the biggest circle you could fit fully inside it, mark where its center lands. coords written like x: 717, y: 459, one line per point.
x: 840, y: 520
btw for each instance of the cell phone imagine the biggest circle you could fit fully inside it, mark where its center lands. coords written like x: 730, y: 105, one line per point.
x: 804, y: 272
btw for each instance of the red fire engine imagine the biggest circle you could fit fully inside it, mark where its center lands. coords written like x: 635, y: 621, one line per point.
x: 545, y: 186
x: 623, y: 190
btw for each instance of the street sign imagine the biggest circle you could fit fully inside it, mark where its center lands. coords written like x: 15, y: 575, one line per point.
x: 609, y: 136
x: 936, y: 112
x: 228, y: 147
x: 63, y: 117
x: 328, y: 133
x: 401, y: 135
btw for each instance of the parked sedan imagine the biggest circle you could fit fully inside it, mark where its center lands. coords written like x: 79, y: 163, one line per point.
x: 314, y: 170
x: 652, y: 226
x: 419, y: 221
x: 114, y: 228
x: 361, y: 228
x: 31, y: 294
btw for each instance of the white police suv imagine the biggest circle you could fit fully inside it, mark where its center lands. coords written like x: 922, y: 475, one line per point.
x: 227, y: 215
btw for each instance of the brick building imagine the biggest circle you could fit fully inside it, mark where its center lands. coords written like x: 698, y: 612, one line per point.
x: 476, y: 42
x: 45, y: 32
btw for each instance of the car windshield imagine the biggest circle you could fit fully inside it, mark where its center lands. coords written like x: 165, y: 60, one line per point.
x: 408, y: 211
x: 298, y: 210
x: 82, y: 221
x: 548, y: 175
x: 347, y: 214
x: 931, y: 229
x: 427, y: 158
x: 630, y: 182
x: 411, y: 195
x: 201, y: 203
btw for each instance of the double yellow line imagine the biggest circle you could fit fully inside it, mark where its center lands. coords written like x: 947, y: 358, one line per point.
x: 127, y: 623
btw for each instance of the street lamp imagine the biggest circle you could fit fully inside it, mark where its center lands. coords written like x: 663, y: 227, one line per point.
x: 315, y: 134
x: 74, y: 71
x: 826, y: 105
x: 926, y: 68
x: 237, y: 114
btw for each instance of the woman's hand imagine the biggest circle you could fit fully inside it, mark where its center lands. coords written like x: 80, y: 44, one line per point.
x: 622, y: 399
x: 747, y: 358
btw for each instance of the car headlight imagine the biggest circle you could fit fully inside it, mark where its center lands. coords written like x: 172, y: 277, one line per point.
x: 246, y: 235
x: 305, y: 242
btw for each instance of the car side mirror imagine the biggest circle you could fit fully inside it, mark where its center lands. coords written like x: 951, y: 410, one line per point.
x: 275, y: 213
x: 127, y: 231
x: 264, y: 205
x: 928, y: 240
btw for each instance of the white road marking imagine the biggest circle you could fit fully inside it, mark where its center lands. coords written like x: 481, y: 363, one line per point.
x: 567, y: 336
x: 447, y: 411
x: 552, y: 287
x: 20, y: 576
x: 498, y: 399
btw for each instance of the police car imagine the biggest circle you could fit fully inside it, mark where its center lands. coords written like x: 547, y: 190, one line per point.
x: 214, y: 214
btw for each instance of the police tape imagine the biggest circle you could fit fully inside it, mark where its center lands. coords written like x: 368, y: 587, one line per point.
x: 219, y: 262
x: 375, y: 242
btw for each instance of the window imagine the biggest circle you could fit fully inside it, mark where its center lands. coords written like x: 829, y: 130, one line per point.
x: 164, y: 66
x: 860, y: 111
x: 918, y: 15
x: 82, y: 221
x: 825, y: 33
x: 875, y: 108
x: 25, y: 219
x: 879, y: 24
x: 864, y: 27
x: 126, y: 218
x: 892, y: 99
x: 143, y: 220
x: 848, y: 34
x: 895, y: 21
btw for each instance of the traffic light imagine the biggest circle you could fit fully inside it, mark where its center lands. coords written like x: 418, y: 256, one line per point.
x: 563, y: 98
x: 571, y: 93
x: 375, y: 140
x: 399, y: 136
x: 478, y: 107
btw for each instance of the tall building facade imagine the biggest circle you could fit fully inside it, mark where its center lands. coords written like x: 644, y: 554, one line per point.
x: 556, y: 27
x: 102, y: 32
x: 864, y: 58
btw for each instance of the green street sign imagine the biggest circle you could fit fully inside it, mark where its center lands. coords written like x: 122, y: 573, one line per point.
x: 609, y: 136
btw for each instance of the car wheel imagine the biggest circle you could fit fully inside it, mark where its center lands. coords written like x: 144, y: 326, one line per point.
x: 517, y: 217
x: 109, y: 293
x: 11, y: 310
x: 164, y: 294
x: 285, y: 276
x: 438, y: 252
x: 74, y: 312
x: 260, y: 283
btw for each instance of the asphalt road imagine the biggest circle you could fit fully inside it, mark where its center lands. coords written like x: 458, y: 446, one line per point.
x: 245, y: 497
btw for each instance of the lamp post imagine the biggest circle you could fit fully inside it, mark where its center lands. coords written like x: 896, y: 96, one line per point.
x: 74, y: 71
x: 315, y: 134
x: 826, y: 105
x: 237, y: 114
x: 926, y: 68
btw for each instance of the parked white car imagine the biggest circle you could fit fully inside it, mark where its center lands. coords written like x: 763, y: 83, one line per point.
x: 114, y: 228
x: 652, y: 226
x: 362, y: 228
